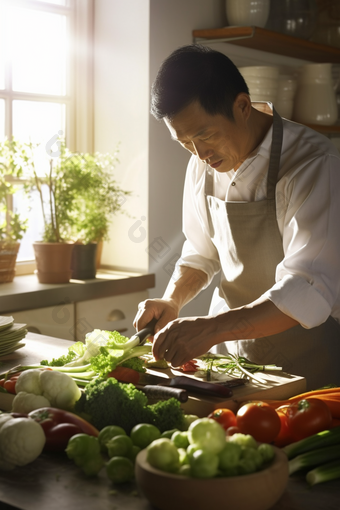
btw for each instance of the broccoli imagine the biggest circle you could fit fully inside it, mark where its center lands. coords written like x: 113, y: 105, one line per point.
x: 109, y: 402
x: 166, y: 415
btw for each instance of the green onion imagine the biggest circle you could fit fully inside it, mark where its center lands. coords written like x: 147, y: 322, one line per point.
x: 319, y: 440
x: 324, y: 473
x: 314, y: 458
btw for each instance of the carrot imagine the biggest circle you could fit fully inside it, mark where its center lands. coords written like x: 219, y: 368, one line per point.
x: 313, y: 393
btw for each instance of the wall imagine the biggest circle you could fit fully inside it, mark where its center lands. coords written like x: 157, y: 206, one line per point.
x: 121, y: 116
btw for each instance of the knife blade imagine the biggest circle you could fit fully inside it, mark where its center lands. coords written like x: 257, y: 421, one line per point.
x: 187, y: 383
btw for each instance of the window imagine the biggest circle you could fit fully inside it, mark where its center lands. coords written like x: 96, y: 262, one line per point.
x: 45, y: 82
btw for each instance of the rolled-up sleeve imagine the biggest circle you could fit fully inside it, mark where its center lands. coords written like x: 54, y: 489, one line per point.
x: 307, y: 284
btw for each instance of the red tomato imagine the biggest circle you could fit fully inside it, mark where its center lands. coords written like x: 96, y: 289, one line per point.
x: 125, y: 374
x: 260, y: 420
x: 59, y: 426
x: 190, y: 366
x: 307, y: 417
x: 284, y: 437
x: 224, y: 417
x: 9, y: 385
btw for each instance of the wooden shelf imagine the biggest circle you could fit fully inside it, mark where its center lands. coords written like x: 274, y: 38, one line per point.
x: 273, y: 42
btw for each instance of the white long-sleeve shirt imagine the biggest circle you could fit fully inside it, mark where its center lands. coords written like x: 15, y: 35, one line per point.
x: 307, y: 281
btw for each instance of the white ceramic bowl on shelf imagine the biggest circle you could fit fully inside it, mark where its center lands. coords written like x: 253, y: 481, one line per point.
x: 257, y: 491
x: 260, y: 71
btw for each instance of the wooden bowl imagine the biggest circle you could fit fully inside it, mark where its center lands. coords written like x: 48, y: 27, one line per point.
x: 258, y: 491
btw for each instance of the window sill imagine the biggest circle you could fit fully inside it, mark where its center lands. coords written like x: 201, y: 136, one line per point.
x: 26, y: 293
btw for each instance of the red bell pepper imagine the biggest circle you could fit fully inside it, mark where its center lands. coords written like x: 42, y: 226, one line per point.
x: 59, y: 426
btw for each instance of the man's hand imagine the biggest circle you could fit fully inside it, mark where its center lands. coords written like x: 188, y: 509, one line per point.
x: 184, y: 339
x: 161, y: 309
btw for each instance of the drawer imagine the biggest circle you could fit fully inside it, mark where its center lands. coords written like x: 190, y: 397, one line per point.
x: 114, y: 313
x: 56, y: 321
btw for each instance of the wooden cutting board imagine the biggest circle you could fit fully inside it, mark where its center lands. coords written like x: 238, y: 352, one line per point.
x: 277, y: 386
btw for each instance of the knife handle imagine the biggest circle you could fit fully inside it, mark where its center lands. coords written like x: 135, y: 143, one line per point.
x: 163, y: 392
x: 149, y: 330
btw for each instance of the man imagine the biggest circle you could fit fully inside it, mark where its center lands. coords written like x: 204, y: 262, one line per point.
x: 260, y: 205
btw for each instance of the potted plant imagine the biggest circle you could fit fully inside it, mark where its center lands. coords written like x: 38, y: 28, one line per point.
x: 78, y: 197
x: 93, y: 211
x: 13, y: 159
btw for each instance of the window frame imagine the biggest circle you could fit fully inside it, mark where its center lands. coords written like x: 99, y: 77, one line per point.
x: 78, y: 98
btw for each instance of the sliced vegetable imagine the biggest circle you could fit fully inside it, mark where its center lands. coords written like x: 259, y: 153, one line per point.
x: 314, y: 458
x: 324, y: 473
x: 320, y: 440
x: 307, y: 417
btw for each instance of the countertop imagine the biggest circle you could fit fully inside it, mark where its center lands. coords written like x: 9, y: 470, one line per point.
x: 53, y: 482
x: 26, y: 293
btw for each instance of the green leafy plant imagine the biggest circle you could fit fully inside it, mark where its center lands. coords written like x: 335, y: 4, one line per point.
x: 78, y: 196
x: 15, y: 160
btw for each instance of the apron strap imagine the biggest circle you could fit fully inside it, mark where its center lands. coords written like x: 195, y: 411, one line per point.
x: 275, y: 155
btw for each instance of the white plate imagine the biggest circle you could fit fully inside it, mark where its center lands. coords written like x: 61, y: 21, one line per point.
x: 5, y: 322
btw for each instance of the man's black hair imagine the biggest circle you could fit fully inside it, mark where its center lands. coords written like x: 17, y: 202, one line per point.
x: 194, y: 73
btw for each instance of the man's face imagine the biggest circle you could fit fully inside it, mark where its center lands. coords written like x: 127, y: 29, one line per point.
x: 220, y: 142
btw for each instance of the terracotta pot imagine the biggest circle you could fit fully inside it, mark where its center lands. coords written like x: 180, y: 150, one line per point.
x: 83, y: 262
x: 53, y: 261
x: 99, y: 253
x: 8, y: 258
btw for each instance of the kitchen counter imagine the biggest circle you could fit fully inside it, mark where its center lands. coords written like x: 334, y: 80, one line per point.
x: 53, y: 482
x: 26, y: 293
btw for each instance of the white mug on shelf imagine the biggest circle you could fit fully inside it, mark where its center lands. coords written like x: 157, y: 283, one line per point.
x: 247, y: 12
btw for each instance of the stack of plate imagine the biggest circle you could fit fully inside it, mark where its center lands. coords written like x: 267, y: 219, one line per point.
x: 262, y: 82
x: 11, y: 335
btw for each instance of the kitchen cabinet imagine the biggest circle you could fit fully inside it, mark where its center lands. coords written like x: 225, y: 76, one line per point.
x: 71, y: 310
x: 110, y: 313
x: 56, y: 321
x: 73, y: 320
x: 274, y: 42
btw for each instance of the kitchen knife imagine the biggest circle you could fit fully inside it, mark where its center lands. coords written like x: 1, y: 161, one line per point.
x: 187, y: 383
x: 144, y: 333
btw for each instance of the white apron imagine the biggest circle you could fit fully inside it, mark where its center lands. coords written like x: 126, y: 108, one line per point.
x: 249, y: 244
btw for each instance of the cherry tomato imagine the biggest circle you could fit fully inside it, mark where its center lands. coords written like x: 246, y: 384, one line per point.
x: 284, y: 437
x: 224, y: 417
x: 307, y: 417
x: 9, y: 385
x: 260, y: 420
